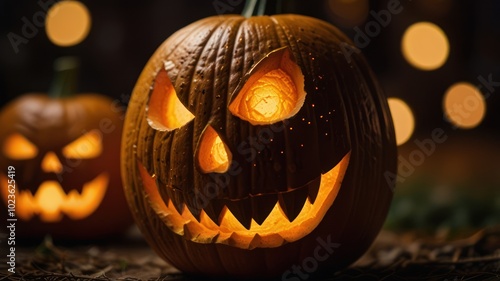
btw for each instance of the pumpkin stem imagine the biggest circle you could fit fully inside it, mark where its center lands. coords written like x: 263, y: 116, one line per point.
x: 264, y: 8
x: 65, y: 80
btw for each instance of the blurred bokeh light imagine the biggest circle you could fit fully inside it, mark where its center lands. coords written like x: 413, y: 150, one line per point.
x: 425, y: 46
x: 68, y: 23
x: 404, y: 122
x: 464, y: 105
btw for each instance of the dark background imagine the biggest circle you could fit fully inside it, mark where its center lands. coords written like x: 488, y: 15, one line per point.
x: 125, y: 33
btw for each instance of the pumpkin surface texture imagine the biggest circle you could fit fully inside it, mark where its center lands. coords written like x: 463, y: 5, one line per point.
x: 250, y: 142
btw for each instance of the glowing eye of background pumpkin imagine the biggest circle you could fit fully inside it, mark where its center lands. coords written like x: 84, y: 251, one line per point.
x: 85, y: 147
x: 213, y: 155
x: 165, y: 110
x: 273, y: 92
x: 17, y: 147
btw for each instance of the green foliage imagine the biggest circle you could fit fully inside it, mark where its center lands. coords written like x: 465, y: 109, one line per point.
x: 428, y: 209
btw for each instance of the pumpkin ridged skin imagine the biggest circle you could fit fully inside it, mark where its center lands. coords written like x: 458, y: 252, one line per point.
x: 207, y: 61
x: 51, y: 124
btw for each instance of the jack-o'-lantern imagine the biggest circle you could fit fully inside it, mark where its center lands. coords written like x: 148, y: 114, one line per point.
x: 248, y: 140
x: 64, y: 152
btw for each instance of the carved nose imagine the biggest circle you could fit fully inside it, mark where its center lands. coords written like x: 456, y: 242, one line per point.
x: 51, y: 163
x: 213, y: 154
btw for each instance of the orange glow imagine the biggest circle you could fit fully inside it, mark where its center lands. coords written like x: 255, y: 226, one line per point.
x: 51, y: 203
x: 67, y: 23
x: 273, y: 232
x: 165, y: 110
x: 51, y: 163
x: 274, y: 92
x: 213, y: 155
x: 85, y: 147
x: 79, y: 206
x: 49, y: 197
x: 404, y: 121
x: 17, y: 147
x: 425, y: 46
x: 464, y: 105
x: 272, y: 97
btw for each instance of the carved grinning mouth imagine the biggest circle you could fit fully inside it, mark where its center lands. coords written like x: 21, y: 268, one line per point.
x: 275, y: 229
x: 50, y: 202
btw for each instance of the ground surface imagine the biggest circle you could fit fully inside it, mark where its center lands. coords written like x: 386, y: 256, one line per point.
x: 392, y: 257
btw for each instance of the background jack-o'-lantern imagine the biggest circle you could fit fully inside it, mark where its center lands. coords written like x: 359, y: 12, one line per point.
x: 65, y: 152
x: 248, y: 140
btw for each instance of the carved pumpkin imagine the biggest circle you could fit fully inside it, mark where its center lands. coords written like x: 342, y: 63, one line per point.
x: 248, y: 139
x: 65, y: 152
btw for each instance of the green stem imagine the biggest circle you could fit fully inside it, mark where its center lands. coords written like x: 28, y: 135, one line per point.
x: 264, y: 7
x: 66, y: 77
x: 249, y: 8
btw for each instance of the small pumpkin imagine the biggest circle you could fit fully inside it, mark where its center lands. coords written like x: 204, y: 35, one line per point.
x: 248, y: 140
x: 65, y: 152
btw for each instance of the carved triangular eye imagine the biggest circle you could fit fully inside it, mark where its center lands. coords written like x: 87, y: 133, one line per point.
x: 273, y: 91
x: 85, y: 147
x: 165, y: 110
x: 17, y: 147
x: 213, y: 155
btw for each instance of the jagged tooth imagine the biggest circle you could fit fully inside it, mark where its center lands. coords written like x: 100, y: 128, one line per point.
x: 292, y: 202
x: 215, y: 238
x: 177, y: 198
x: 214, y: 209
x: 242, y: 210
x: 272, y: 240
x: 190, y: 230
x: 256, y: 241
x: 187, y: 232
x: 236, y: 239
x: 262, y: 205
x: 313, y: 187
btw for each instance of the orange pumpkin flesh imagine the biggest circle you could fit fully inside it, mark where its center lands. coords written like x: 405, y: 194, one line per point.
x: 247, y: 139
